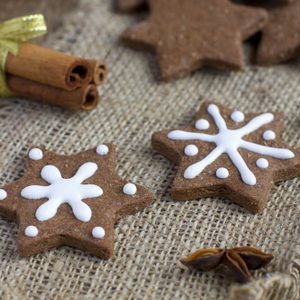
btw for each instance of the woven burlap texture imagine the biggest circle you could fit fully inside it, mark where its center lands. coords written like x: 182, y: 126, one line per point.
x: 134, y: 104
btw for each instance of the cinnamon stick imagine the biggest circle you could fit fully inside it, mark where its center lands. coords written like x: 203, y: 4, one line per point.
x: 49, y: 67
x: 85, y: 97
x: 99, y: 71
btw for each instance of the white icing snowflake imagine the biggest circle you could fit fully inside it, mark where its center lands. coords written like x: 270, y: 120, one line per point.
x: 61, y: 190
x: 229, y: 141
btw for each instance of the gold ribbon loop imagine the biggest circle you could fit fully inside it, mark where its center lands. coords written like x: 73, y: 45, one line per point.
x: 12, y: 33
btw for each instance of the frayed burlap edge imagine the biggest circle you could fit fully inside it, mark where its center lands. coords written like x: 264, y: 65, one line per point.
x: 276, y: 286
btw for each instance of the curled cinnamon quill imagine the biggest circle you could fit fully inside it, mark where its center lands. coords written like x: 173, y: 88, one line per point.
x: 238, y: 261
x: 43, y: 74
x: 99, y: 71
x: 49, y: 67
x: 84, y: 98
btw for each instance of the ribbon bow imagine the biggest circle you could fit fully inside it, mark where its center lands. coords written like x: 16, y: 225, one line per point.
x: 12, y: 33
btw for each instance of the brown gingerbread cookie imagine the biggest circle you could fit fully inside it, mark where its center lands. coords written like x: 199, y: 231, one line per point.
x: 70, y: 200
x: 281, y: 36
x: 188, y: 35
x: 130, y: 5
x: 230, y: 154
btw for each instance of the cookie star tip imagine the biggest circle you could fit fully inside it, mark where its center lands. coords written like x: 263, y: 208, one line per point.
x: 137, y: 36
x: 251, y: 20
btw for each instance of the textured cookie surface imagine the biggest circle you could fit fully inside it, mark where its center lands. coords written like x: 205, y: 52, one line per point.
x: 228, y: 153
x: 70, y: 200
x: 281, y: 36
x: 187, y: 35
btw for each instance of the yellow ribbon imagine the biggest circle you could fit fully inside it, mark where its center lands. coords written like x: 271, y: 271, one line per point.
x: 12, y: 33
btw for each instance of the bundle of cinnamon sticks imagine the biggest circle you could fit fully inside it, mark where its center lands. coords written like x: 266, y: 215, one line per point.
x: 50, y: 76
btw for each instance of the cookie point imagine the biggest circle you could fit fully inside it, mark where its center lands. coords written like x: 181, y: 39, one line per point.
x: 35, y: 154
x: 129, y: 189
x: 98, y: 232
x: 31, y: 231
x: 3, y: 194
x: 102, y: 149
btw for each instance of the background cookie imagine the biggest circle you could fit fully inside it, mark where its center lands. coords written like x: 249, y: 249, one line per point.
x: 186, y: 44
x: 281, y: 36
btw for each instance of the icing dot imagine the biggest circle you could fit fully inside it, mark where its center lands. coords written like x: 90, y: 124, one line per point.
x: 191, y: 150
x: 3, y: 194
x: 98, y: 232
x: 269, y: 135
x: 129, y: 189
x: 222, y: 173
x: 102, y: 149
x: 35, y: 154
x: 237, y: 116
x: 262, y: 163
x: 202, y: 124
x: 31, y: 231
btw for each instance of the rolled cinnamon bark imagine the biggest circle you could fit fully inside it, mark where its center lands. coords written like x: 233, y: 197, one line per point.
x: 85, y: 98
x: 99, y: 71
x: 49, y: 67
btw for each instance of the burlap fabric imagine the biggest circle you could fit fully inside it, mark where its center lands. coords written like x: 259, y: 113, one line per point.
x: 134, y: 105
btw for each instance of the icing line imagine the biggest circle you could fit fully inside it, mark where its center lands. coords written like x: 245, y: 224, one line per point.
x: 229, y: 141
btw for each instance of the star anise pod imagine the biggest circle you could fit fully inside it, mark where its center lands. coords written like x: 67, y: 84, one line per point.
x: 237, y: 261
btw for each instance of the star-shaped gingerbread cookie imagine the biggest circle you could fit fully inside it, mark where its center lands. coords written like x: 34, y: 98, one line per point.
x: 230, y: 154
x: 188, y: 35
x: 281, y: 36
x: 70, y: 200
x: 130, y: 5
